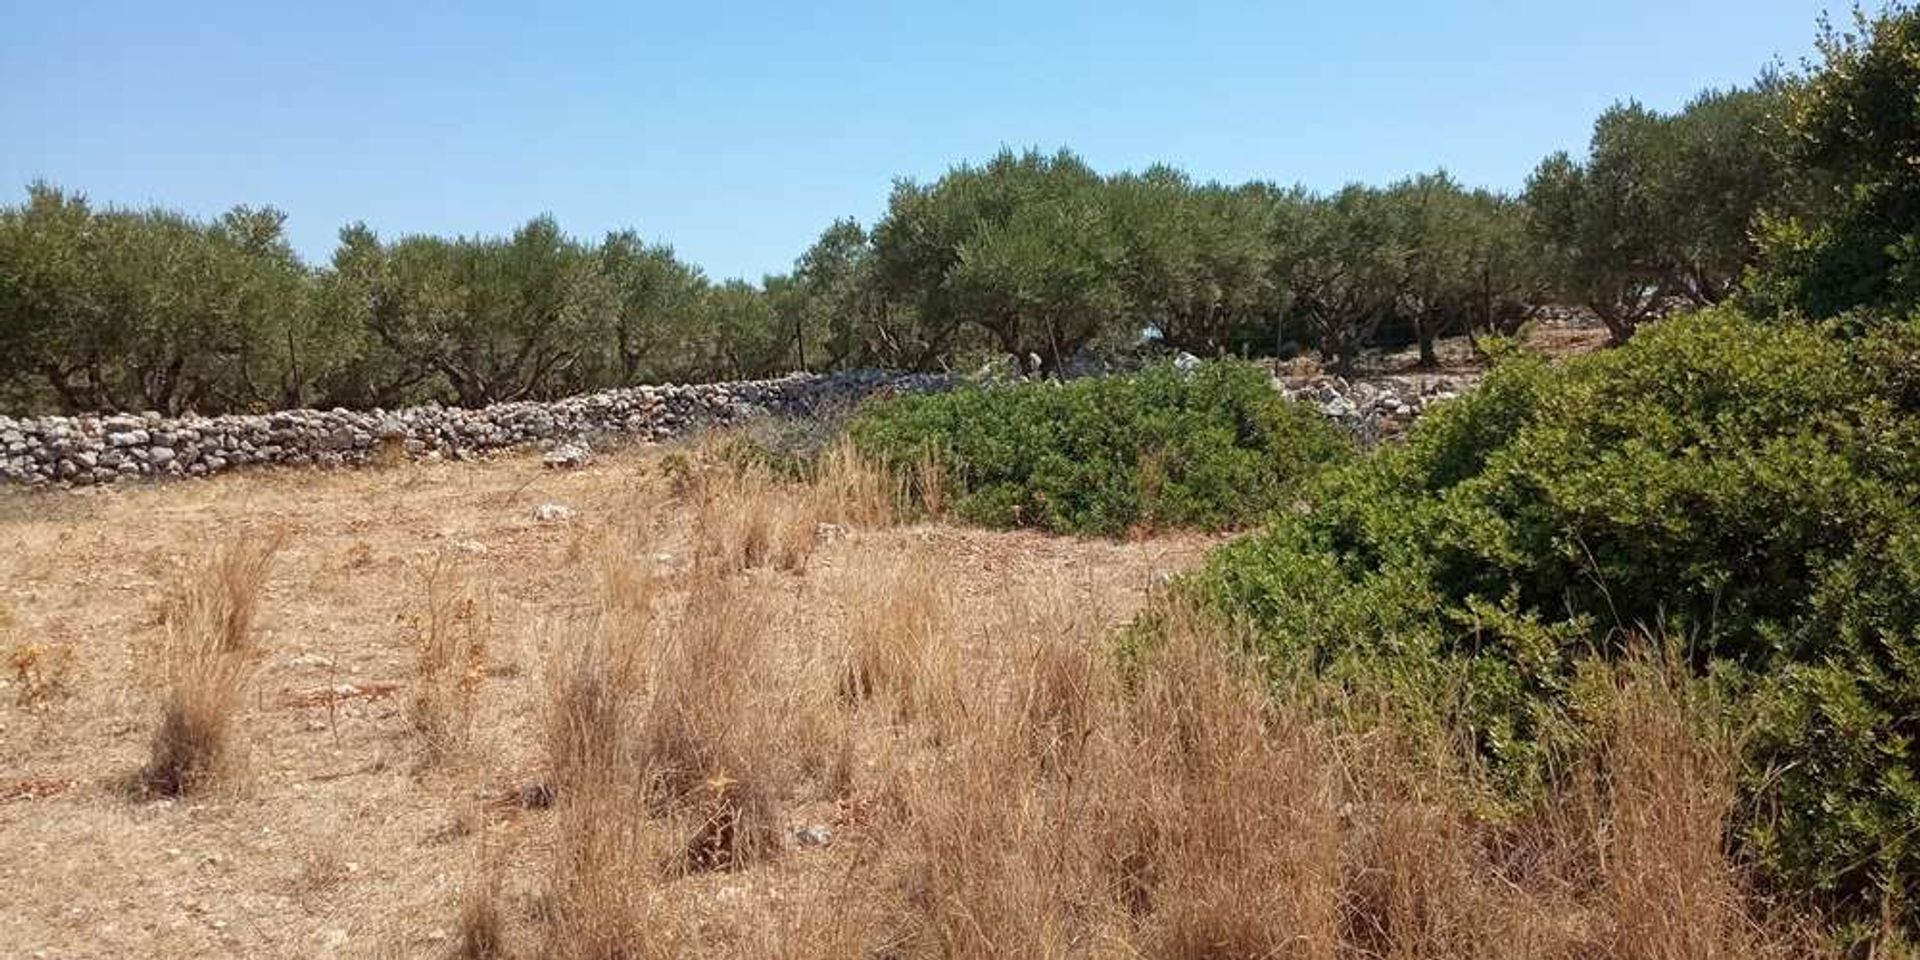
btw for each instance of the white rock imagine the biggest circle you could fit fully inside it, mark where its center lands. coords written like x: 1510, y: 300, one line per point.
x: 552, y: 513
x: 568, y: 456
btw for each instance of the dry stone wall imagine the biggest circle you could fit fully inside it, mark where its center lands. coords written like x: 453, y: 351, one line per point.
x: 93, y: 450
x: 1377, y: 407
x: 89, y: 450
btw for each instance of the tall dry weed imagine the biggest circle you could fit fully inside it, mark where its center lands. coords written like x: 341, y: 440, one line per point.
x: 716, y: 723
x: 848, y: 489
x: 601, y: 873
x: 205, y: 660
x: 1671, y: 888
x: 448, y: 634
x: 931, y: 485
x: 1228, y: 808
x: 900, y: 649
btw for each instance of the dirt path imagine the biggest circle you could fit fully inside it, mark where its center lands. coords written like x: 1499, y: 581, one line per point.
x: 336, y: 844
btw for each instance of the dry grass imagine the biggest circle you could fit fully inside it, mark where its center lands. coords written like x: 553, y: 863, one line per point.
x: 599, y: 875
x: 899, y: 650
x: 747, y: 518
x: 715, y: 728
x: 448, y: 631
x: 1669, y: 886
x: 930, y: 485
x: 849, y: 490
x: 482, y: 923
x: 1232, y: 809
x: 1194, y: 814
x: 944, y: 700
x: 205, y: 661
x: 43, y: 671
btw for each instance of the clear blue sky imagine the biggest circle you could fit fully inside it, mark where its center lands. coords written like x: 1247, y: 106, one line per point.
x: 737, y: 131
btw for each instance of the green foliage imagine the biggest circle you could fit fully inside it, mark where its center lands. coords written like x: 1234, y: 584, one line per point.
x: 1664, y: 205
x: 1854, y: 126
x: 149, y: 310
x: 831, y: 303
x: 1747, y: 489
x: 1214, y: 448
x: 115, y: 310
x: 492, y: 318
x: 1030, y: 257
x: 1023, y: 248
x: 1044, y: 257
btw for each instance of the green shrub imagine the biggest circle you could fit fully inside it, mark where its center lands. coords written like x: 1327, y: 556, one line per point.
x: 1745, y: 490
x: 1213, y: 448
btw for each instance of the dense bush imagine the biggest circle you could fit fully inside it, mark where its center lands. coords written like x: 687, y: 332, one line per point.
x: 1212, y: 448
x: 1746, y: 490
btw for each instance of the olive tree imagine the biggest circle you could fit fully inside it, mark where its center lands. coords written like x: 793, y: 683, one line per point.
x: 1022, y: 249
x: 1853, y: 134
x: 487, y: 319
x: 1662, y: 208
x: 119, y: 309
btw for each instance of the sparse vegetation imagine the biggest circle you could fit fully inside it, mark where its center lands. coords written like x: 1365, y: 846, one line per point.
x: 989, y: 779
x: 449, y: 635
x: 42, y: 671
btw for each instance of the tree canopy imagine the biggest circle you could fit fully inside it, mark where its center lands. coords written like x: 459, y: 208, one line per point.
x: 1799, y: 190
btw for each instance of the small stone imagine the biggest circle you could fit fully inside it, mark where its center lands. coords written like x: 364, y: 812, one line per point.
x: 552, y: 513
x: 567, y: 456
x: 813, y: 835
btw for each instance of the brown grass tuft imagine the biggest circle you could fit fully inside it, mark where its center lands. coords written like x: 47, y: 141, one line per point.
x: 449, y: 636
x: 715, y: 724
x: 1229, y: 806
x: 205, y: 661
x: 597, y: 905
x: 482, y: 924
x: 930, y: 485
x: 849, y: 489
x: 900, y: 650
x: 744, y: 519
x: 1670, y: 886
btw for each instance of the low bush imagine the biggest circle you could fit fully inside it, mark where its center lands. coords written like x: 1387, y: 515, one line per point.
x: 1212, y: 448
x: 1746, y: 490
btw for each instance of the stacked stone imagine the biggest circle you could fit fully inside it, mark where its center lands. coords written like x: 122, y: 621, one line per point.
x: 88, y: 450
x: 1373, y: 407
